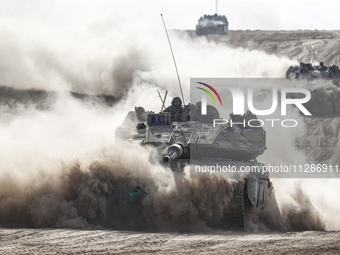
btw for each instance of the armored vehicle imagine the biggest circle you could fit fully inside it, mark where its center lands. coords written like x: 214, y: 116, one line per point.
x: 191, y: 139
x: 212, y: 24
x: 310, y: 72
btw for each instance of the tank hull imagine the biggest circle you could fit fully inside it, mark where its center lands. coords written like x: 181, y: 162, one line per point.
x: 194, y: 142
x: 211, y: 30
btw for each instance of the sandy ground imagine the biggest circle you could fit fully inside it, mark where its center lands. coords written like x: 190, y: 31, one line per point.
x: 301, y: 45
x: 56, y: 241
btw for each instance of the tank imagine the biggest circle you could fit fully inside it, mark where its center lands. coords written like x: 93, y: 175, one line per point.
x: 310, y: 72
x: 190, y: 137
x: 212, y: 24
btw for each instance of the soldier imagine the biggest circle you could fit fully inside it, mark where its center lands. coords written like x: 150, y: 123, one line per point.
x: 138, y: 188
x: 135, y: 194
x: 140, y: 114
x: 175, y: 109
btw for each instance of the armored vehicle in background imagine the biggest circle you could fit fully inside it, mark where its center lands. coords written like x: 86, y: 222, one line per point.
x: 310, y: 72
x: 191, y: 139
x: 212, y: 24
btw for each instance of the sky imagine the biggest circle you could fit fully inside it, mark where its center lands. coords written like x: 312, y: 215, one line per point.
x: 179, y: 14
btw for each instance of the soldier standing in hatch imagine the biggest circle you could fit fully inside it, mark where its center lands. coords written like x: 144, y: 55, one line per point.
x: 175, y: 109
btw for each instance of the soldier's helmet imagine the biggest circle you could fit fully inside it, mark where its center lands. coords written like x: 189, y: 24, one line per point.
x: 176, y: 99
x: 140, y: 110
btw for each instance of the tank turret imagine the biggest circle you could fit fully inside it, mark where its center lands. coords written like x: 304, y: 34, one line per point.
x: 212, y: 24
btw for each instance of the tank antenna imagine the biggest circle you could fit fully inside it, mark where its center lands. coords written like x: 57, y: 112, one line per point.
x: 163, y: 100
x: 236, y: 75
x: 173, y: 56
x: 216, y: 6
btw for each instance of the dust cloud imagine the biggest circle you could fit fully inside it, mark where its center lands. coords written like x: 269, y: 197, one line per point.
x: 325, y: 99
x: 60, y: 164
x: 84, y: 60
x: 93, y: 197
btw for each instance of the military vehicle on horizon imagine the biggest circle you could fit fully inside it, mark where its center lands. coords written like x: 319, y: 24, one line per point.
x: 310, y: 72
x: 189, y: 139
x: 212, y: 24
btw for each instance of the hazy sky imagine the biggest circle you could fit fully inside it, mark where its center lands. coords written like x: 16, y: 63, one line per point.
x: 179, y: 14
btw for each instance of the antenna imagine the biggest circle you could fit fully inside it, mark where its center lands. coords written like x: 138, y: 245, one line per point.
x: 163, y: 100
x: 216, y: 6
x: 179, y: 81
x: 236, y: 75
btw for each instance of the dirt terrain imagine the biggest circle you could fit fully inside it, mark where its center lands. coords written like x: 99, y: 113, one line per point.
x: 300, y: 45
x: 56, y: 241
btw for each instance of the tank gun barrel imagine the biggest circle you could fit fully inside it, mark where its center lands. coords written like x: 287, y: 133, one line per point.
x: 174, y: 151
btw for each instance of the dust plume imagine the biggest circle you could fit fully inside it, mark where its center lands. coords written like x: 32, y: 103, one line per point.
x: 302, y: 216
x: 86, y: 61
x: 60, y: 164
x: 325, y: 98
x: 93, y: 196
x: 295, y: 213
x: 61, y: 168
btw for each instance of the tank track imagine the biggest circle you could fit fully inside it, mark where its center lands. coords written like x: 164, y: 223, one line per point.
x: 234, y: 219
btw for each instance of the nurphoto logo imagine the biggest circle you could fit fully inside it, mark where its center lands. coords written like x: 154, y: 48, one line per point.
x: 239, y: 104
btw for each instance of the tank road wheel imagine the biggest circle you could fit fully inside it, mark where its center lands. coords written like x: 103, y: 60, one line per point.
x: 234, y: 219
